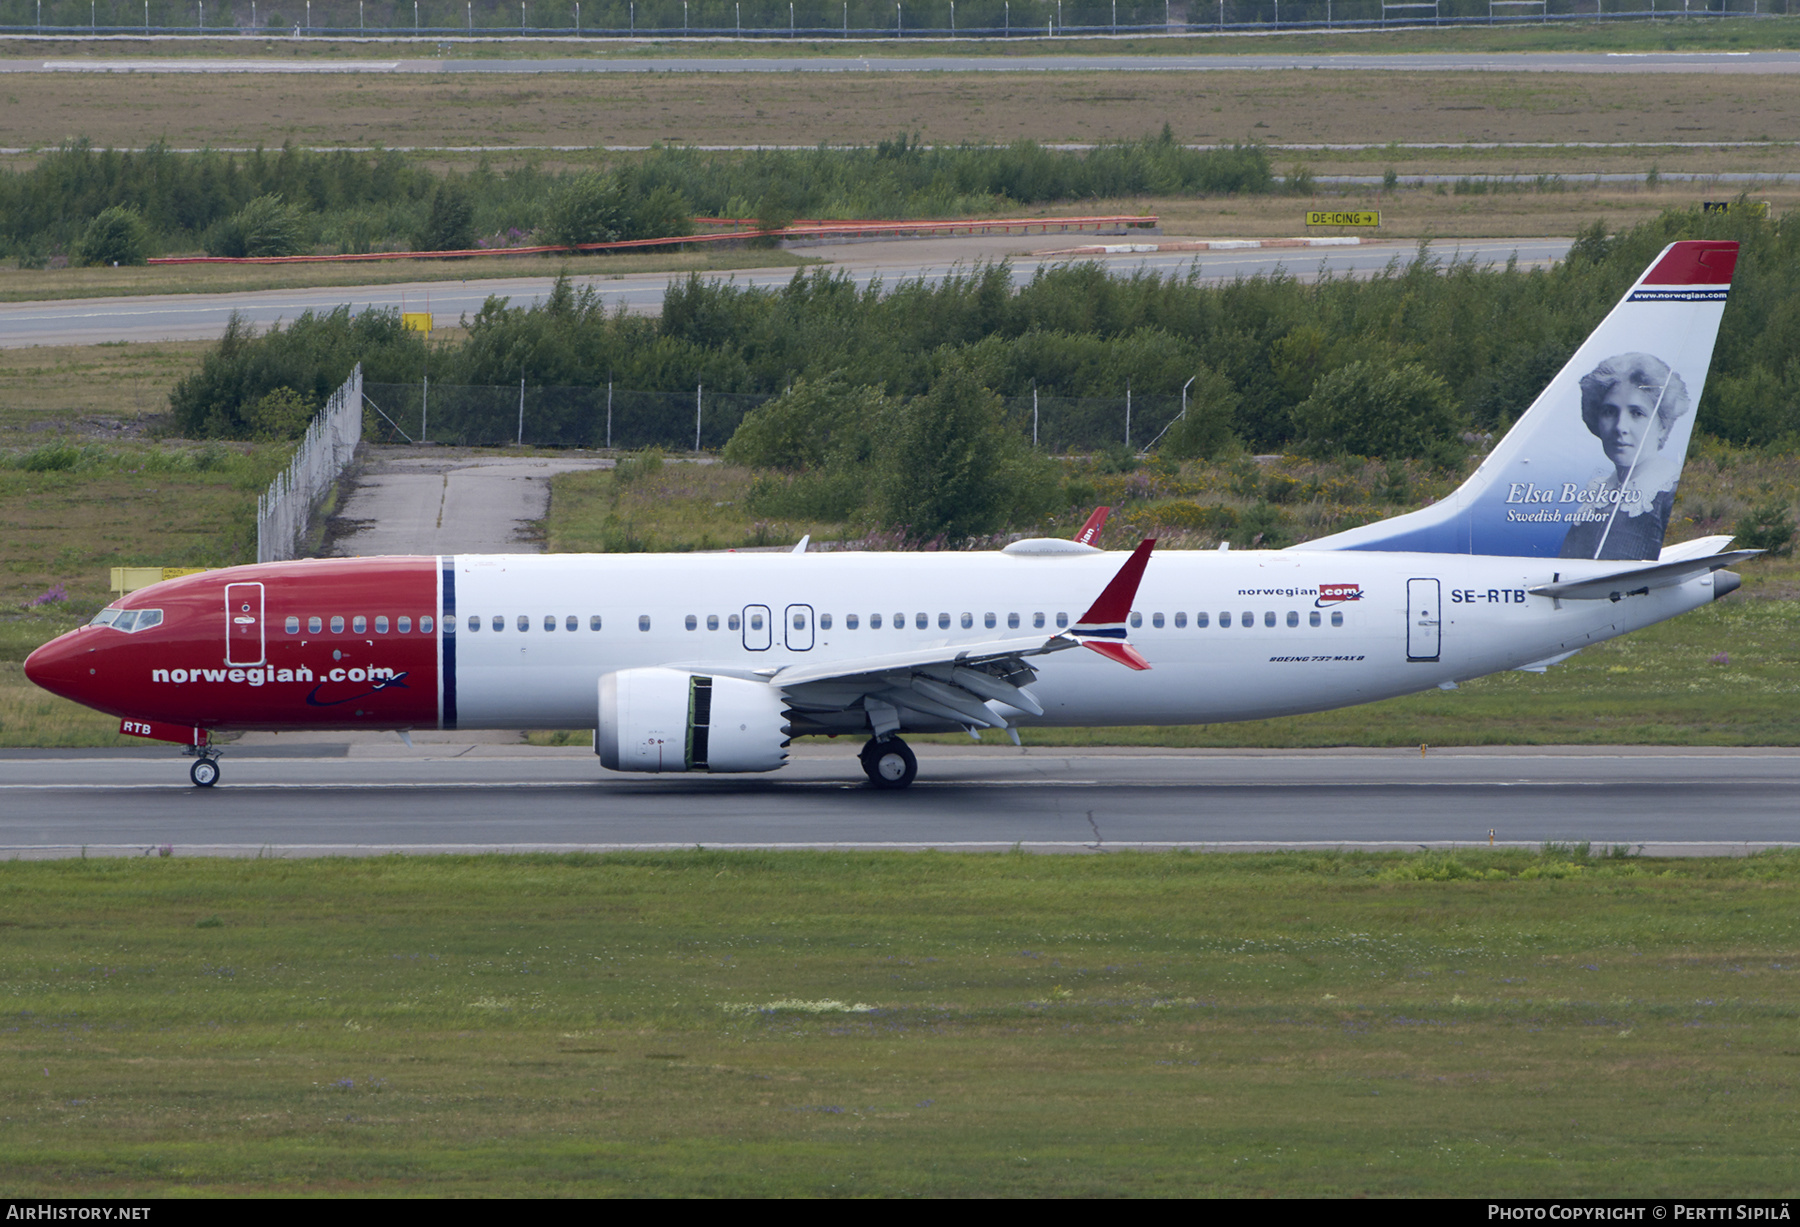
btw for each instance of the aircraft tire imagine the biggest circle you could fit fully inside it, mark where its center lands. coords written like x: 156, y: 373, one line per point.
x: 204, y: 772
x: 889, y: 764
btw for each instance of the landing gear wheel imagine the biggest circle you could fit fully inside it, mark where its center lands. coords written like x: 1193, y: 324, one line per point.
x: 204, y: 772
x: 890, y: 763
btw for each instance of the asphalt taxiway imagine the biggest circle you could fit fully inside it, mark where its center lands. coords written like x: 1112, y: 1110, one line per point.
x: 310, y: 799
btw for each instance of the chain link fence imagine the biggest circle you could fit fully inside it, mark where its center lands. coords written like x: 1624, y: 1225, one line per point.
x: 809, y: 19
x: 284, y: 513
x: 629, y: 420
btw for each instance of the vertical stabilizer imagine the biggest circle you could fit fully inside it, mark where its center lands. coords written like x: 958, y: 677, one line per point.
x: 1590, y: 470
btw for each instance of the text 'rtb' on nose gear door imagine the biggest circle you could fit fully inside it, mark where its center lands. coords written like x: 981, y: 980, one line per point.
x: 759, y: 634
x: 243, y: 624
x: 1424, y: 619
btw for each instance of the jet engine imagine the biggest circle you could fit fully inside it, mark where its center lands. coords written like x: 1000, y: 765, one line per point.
x: 670, y: 720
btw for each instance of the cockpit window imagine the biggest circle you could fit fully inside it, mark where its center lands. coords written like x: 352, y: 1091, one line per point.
x: 129, y: 620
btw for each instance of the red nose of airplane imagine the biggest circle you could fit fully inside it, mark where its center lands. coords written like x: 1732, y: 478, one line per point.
x: 60, y: 666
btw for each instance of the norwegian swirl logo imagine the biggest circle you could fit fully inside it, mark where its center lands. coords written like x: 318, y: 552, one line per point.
x: 1337, y: 594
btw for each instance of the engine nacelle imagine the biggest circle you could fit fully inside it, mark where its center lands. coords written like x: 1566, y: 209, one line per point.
x: 670, y: 720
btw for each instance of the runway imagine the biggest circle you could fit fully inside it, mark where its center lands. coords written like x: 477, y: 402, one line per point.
x: 373, y: 799
x: 1733, y: 62
x: 199, y: 317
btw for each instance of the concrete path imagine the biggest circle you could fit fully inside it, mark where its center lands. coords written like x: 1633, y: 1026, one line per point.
x: 432, y: 500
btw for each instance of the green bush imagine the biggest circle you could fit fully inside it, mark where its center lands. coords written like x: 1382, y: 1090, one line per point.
x: 264, y: 227
x: 589, y: 208
x: 450, y: 225
x: 116, y: 236
x: 281, y: 413
x: 1209, y: 431
x: 1370, y: 409
x: 1769, y: 527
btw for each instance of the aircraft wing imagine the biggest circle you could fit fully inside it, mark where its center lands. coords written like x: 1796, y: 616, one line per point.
x: 960, y: 683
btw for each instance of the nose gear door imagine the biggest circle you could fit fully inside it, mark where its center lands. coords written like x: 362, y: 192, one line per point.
x: 243, y: 624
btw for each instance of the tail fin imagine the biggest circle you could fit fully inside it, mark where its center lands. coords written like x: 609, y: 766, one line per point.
x: 1590, y: 470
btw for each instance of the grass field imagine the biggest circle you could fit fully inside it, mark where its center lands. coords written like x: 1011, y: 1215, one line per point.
x: 1505, y: 1024
x: 591, y: 109
x: 26, y: 285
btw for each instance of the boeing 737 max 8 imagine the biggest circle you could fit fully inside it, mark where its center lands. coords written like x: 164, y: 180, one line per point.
x: 714, y: 662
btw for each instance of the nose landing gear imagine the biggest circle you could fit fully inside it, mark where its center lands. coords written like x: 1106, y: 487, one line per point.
x: 889, y: 764
x: 205, y: 771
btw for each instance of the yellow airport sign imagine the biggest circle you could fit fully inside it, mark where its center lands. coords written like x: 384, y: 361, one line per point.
x: 130, y: 579
x: 416, y: 321
x: 1755, y: 208
x: 1362, y: 217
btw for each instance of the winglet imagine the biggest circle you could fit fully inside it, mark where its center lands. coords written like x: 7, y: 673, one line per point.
x: 1102, y: 627
x: 1090, y: 532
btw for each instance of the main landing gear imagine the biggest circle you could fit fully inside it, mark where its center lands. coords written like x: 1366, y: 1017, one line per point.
x: 889, y: 763
x: 205, y: 771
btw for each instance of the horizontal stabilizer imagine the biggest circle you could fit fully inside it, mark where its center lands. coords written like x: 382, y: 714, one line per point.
x: 1621, y: 584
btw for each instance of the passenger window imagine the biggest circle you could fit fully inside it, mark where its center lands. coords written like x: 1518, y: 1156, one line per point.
x: 1037, y: 620
x: 643, y: 622
x: 524, y: 622
x: 1249, y: 618
x: 1293, y: 619
x: 799, y: 621
x: 381, y: 624
x: 733, y: 622
x: 1224, y: 617
x: 1062, y: 620
x: 1137, y: 620
x: 593, y: 622
x: 874, y: 622
x: 1268, y: 617
x: 692, y: 623
x: 988, y: 620
x: 1312, y: 618
x: 549, y: 622
x: 1337, y: 617
x: 900, y: 621
x: 293, y: 625
x: 474, y: 622
x: 499, y: 622
x: 359, y: 624
x: 922, y: 621
x: 755, y: 622
x: 571, y: 624
x: 1012, y: 621
x: 403, y: 624
x: 943, y: 621
x: 824, y: 622
x: 1200, y: 621
x: 337, y: 624
x: 1180, y: 620
x: 1156, y: 620
x: 968, y: 621
x: 849, y: 622
x: 712, y: 622
x: 425, y: 626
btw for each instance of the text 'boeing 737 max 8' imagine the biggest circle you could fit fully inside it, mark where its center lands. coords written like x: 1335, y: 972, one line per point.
x: 715, y: 662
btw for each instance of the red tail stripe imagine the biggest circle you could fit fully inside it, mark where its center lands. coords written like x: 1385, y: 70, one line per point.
x: 1695, y: 262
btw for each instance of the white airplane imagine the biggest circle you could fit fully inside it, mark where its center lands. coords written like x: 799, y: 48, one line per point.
x: 715, y: 662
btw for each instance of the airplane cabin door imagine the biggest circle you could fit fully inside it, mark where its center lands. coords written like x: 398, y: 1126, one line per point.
x: 759, y: 631
x: 797, y: 626
x: 1424, y: 619
x: 243, y: 624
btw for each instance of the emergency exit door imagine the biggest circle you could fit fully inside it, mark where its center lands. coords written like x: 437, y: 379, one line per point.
x: 243, y: 624
x: 759, y: 634
x: 1424, y: 619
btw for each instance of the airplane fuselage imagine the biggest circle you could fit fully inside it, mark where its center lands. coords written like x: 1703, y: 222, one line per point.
x: 520, y: 641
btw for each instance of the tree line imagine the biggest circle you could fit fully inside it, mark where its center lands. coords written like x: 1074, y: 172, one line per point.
x: 101, y: 206
x: 1414, y: 362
